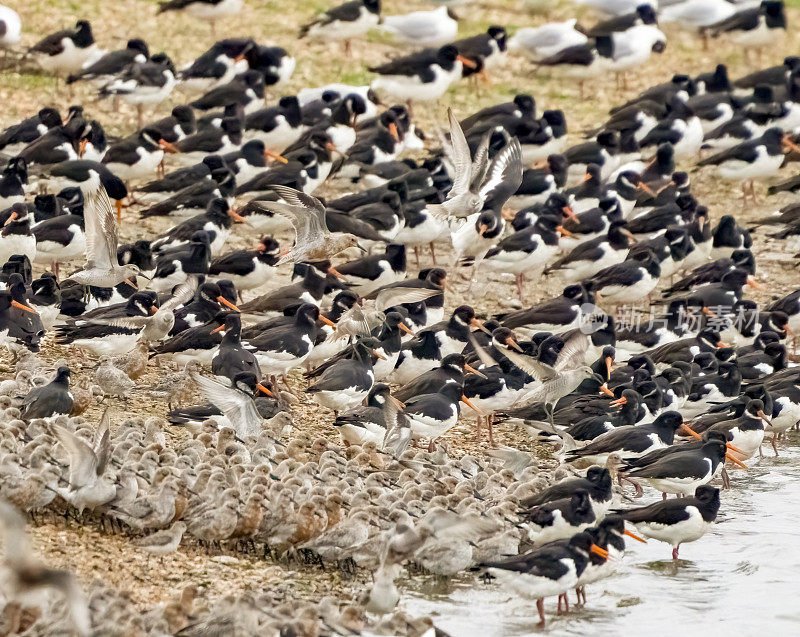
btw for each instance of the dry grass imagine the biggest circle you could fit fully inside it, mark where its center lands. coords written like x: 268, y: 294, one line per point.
x: 108, y: 557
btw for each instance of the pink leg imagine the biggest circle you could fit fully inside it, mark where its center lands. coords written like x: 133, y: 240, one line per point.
x: 540, y: 608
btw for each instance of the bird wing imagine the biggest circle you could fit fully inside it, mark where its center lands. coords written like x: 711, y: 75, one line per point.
x: 480, y: 163
x: 82, y: 458
x: 183, y: 293
x: 457, y: 151
x: 573, y: 352
x: 506, y: 168
x: 313, y: 212
x: 101, y: 231
x: 237, y: 407
x: 389, y: 297
x: 530, y: 365
x: 103, y: 447
x: 482, y: 354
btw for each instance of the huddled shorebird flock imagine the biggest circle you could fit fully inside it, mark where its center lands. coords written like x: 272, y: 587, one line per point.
x: 650, y: 374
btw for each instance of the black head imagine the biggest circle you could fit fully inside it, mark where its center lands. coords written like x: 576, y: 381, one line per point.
x: 646, y: 14
x: 50, y: 117
x: 526, y: 104
x: 446, y: 56
x: 138, y: 45
x: 62, y: 374
x: 498, y: 34
x: 707, y: 494
x: 373, y: 6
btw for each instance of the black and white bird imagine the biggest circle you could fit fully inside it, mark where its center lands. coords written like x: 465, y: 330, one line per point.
x: 247, y: 269
x: 145, y: 83
x: 424, y: 75
x: 344, y: 22
x: 66, y: 51
x: 677, y: 521
x: 137, y: 157
x: 104, y: 69
x: 753, y: 27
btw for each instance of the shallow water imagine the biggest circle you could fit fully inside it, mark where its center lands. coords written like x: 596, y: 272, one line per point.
x: 741, y: 578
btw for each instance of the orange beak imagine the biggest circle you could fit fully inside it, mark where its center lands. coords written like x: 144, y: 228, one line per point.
x: 268, y: 154
x: 153, y: 310
x: 393, y: 131
x: 754, y: 283
x: 331, y: 147
x: 261, y: 387
x: 620, y: 401
x: 512, y: 343
x: 722, y: 344
x: 327, y: 321
x: 708, y: 312
x: 646, y: 188
x: 167, y: 147
x: 236, y: 216
x: 472, y: 370
x: 479, y: 324
x: 732, y: 448
x: 738, y: 463
x: 605, y: 390
x: 482, y: 228
x: 397, y: 403
x: 227, y: 303
x: 82, y: 147
x: 569, y: 212
x: 690, y: 431
x: 598, y: 551
x: 216, y: 330
x: 635, y: 537
x: 239, y: 58
x: 465, y: 400
x: 586, y: 178
x: 466, y: 61
x: 609, y: 364
x: 788, y: 144
x: 22, y: 306
x: 403, y: 328
x: 763, y: 417
x: 564, y: 232
x: 13, y: 217
x: 379, y: 354
x: 333, y: 271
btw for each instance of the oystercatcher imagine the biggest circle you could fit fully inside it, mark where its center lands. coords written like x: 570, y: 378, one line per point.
x: 759, y: 158
x: 559, y: 519
x: 138, y: 157
x: 66, y: 51
x: 15, y: 235
x: 16, y: 137
x: 217, y: 221
x: 112, y: 63
x: 677, y: 521
x: 370, y: 273
x: 344, y: 22
x: 247, y: 269
x: 424, y: 75
x: 148, y: 82
x: 232, y: 358
x: 552, y: 569
x: 345, y: 382
x: 370, y: 422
